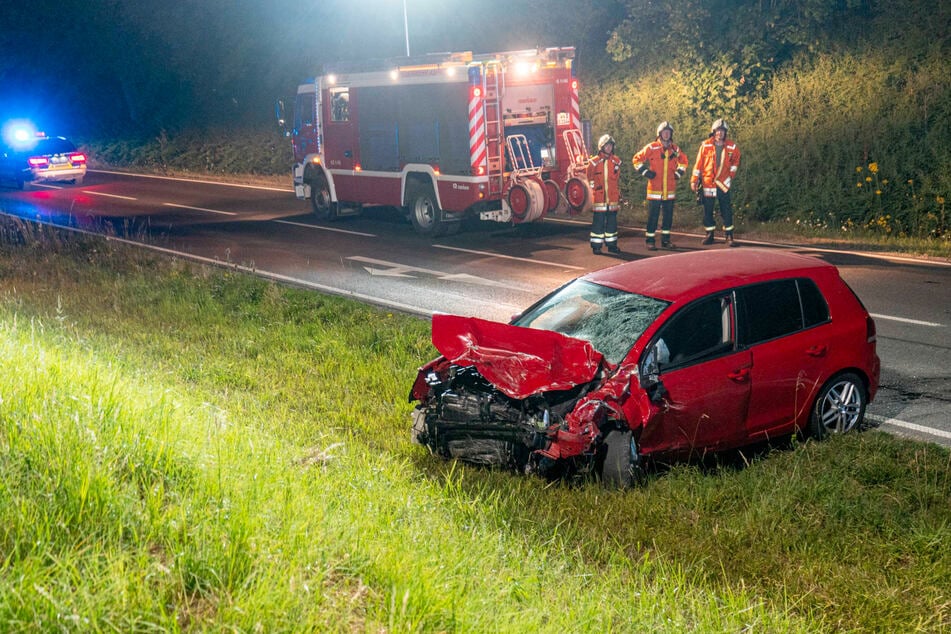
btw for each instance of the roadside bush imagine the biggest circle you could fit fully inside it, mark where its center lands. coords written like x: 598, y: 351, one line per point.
x: 846, y: 142
x: 260, y: 152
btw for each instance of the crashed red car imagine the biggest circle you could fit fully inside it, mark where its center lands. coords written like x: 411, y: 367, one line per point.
x: 669, y: 356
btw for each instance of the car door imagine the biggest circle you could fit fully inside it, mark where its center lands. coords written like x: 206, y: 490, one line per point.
x: 784, y: 325
x: 703, y: 377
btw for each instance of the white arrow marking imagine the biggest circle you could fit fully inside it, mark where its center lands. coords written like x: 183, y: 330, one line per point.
x: 394, y: 272
x: 394, y: 269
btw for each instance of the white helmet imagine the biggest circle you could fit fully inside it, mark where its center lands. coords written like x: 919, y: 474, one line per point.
x: 665, y: 126
x: 719, y: 123
x: 604, y: 140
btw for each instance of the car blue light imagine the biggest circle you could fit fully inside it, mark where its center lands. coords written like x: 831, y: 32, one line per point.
x: 20, y: 133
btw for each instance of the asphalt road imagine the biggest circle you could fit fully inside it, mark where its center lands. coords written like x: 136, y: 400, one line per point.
x: 488, y: 270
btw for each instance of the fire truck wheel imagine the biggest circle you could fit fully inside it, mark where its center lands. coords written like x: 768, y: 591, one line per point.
x: 324, y: 207
x: 423, y: 211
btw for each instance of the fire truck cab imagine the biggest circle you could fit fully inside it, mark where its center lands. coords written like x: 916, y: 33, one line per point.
x: 443, y: 136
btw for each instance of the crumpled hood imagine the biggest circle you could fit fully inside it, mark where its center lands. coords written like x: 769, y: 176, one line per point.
x: 517, y: 361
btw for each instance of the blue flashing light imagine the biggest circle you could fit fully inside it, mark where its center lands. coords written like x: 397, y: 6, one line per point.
x: 20, y: 133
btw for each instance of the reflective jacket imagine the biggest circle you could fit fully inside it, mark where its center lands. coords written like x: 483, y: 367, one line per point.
x: 604, y: 171
x: 668, y: 165
x: 711, y: 175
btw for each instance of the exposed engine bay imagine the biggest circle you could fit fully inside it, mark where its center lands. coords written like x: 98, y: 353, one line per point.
x: 465, y: 417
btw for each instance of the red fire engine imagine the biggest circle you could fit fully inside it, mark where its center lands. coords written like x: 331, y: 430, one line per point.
x: 443, y: 136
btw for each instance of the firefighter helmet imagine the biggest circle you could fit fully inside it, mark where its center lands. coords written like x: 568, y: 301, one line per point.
x: 665, y: 126
x: 604, y: 140
x: 719, y: 123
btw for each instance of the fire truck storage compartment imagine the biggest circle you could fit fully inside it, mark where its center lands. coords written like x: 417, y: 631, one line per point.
x: 411, y: 124
x: 527, y: 110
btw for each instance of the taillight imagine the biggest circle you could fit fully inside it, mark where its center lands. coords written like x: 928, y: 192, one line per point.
x: 38, y: 161
x: 870, y: 334
x: 77, y: 157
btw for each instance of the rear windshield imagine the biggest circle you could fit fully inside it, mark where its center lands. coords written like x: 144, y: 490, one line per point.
x: 53, y: 146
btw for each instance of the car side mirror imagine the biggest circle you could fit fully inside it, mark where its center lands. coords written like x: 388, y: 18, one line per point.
x: 650, y: 373
x: 651, y: 382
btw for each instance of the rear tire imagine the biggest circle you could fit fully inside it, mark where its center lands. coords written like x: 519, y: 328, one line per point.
x: 424, y: 211
x: 320, y: 201
x: 839, y: 407
x: 554, y: 202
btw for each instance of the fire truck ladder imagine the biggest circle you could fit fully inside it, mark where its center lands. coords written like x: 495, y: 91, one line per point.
x: 493, y: 84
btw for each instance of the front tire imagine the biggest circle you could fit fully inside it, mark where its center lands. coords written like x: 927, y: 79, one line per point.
x: 618, y: 469
x: 839, y: 407
x: 320, y: 201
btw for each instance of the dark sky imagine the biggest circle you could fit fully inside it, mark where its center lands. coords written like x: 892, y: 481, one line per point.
x: 112, y: 65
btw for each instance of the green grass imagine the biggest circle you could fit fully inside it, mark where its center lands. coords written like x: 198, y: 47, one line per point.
x: 188, y: 448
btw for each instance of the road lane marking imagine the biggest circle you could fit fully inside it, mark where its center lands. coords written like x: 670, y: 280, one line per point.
x: 319, y: 228
x: 93, y: 193
x: 394, y: 269
x: 211, y: 211
x: 193, y: 180
x: 509, y: 257
x: 912, y: 426
x: 905, y: 320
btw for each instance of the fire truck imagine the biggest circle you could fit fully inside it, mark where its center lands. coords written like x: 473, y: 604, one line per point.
x: 443, y: 136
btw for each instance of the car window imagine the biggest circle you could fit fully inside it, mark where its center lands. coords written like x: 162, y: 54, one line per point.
x: 768, y: 311
x: 609, y: 319
x: 54, y: 146
x: 698, y: 332
x: 304, y: 110
x: 775, y: 309
x: 815, y: 310
x: 340, y: 104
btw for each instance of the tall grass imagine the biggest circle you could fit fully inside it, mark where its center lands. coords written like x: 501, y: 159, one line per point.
x: 848, y: 146
x: 186, y: 448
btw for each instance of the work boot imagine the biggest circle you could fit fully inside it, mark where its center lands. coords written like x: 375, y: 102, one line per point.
x: 729, y: 239
x: 614, y: 248
x: 708, y: 239
x: 596, y: 250
x: 651, y: 246
x: 667, y: 244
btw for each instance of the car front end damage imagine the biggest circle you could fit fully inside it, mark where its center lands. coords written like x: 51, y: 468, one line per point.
x: 504, y: 396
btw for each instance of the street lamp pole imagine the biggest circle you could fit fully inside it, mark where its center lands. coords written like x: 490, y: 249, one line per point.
x: 406, y: 27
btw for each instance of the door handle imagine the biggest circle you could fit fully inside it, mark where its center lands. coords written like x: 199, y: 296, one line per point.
x: 816, y: 351
x: 739, y: 376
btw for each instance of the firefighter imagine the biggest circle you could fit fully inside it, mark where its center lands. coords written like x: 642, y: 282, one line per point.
x: 662, y: 163
x: 604, y: 171
x: 717, y: 161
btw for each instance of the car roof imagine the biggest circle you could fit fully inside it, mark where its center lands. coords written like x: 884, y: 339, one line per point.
x: 686, y: 276
x: 42, y: 145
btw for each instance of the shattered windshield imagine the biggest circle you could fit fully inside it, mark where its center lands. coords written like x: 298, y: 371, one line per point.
x: 609, y: 319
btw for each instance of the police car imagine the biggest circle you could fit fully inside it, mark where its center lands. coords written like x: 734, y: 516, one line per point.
x: 28, y: 156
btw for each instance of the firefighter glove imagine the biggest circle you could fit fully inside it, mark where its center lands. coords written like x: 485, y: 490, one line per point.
x: 650, y: 174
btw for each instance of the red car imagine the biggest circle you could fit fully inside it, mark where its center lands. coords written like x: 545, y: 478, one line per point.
x: 668, y: 356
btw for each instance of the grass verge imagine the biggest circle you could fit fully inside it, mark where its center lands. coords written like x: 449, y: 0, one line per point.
x: 189, y: 448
